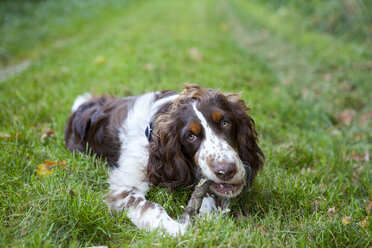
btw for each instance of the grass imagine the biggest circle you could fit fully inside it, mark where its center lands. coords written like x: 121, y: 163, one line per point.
x: 297, y: 79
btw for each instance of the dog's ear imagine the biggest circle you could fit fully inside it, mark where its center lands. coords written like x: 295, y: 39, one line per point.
x: 76, y: 130
x: 249, y: 151
x: 167, y: 165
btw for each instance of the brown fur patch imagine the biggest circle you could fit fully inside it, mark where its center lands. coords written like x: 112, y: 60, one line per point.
x: 146, y: 206
x: 122, y: 195
x: 137, y: 201
x: 130, y: 201
x: 195, y: 128
x: 216, y: 116
x: 194, y: 91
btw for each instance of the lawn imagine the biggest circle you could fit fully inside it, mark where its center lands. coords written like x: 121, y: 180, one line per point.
x: 304, y: 69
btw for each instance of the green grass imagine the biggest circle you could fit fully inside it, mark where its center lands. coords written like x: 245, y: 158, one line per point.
x: 296, y: 78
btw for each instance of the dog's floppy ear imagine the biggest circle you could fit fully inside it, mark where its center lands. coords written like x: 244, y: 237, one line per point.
x: 76, y: 130
x: 167, y: 165
x: 249, y: 151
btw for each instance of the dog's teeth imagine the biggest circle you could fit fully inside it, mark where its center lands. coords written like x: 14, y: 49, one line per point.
x: 221, y: 172
x: 221, y: 185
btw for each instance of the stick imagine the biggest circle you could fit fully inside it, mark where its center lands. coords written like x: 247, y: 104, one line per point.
x: 196, y: 199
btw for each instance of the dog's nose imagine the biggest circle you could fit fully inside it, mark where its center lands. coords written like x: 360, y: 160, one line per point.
x: 224, y: 171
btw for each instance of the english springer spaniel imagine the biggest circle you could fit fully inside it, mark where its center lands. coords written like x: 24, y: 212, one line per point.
x: 168, y: 138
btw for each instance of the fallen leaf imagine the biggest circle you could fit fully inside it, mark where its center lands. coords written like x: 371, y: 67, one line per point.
x: 277, y: 90
x: 224, y: 26
x: 366, y: 116
x: 48, y: 167
x: 99, y: 60
x: 44, y: 170
x: 5, y: 136
x: 346, y: 220
x: 195, y: 54
x: 331, y: 210
x: 355, y: 178
x: 358, y: 168
x: 148, y: 66
x: 369, y: 206
x: 241, y: 216
x: 368, y: 65
x: 366, y: 156
x: 327, y: 77
x: 363, y: 223
x: 61, y: 163
x: 357, y: 137
x: 347, y: 116
x: 335, y: 132
x: 307, y: 171
x: 49, y: 163
x: 262, y: 228
x: 47, y: 132
x: 305, y: 93
x: 287, y: 81
x: 353, y: 156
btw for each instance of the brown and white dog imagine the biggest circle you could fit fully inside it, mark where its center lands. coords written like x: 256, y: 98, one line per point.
x: 168, y: 138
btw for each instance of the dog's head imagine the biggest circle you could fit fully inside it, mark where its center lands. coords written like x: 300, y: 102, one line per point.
x: 206, y: 133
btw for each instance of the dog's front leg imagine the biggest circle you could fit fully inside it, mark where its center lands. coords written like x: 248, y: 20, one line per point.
x: 145, y: 214
x: 212, y: 204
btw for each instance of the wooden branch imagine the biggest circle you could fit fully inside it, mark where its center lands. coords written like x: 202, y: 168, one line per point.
x: 196, y: 199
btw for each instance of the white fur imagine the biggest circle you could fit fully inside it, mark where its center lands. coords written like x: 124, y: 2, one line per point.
x: 80, y: 100
x: 130, y: 176
x: 219, y: 149
x: 152, y: 218
x: 134, y: 144
x: 208, y: 206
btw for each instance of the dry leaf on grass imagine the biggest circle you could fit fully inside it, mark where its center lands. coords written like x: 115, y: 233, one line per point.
x: 262, y: 229
x: 355, y: 178
x: 327, y: 77
x: 4, y: 136
x: 243, y: 217
x: 224, y: 26
x: 48, y: 167
x: 148, y: 66
x: 347, y: 116
x: 346, y: 220
x: 363, y: 223
x: 353, y: 156
x: 99, y: 60
x: 316, y: 203
x: 332, y: 210
x: 308, y: 170
x: 335, y: 132
x: 365, y: 117
x: 47, y: 132
x: 195, y: 54
x: 369, y: 206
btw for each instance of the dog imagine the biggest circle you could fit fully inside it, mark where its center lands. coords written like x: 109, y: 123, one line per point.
x: 171, y: 139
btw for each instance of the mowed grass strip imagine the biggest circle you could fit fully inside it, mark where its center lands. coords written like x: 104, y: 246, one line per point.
x: 315, y: 172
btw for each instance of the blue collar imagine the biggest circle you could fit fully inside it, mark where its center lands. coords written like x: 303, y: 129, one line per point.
x: 148, y: 131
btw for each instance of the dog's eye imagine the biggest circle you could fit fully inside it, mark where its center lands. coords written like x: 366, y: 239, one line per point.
x: 191, y: 137
x: 225, y: 124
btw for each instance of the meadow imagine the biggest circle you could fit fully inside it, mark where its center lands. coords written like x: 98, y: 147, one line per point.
x: 303, y: 67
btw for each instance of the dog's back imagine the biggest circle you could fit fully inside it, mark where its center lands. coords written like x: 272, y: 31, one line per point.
x: 94, y: 124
